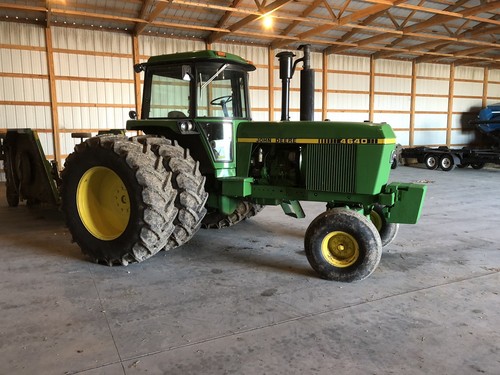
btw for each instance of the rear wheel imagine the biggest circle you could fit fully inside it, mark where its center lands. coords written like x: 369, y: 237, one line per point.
x: 446, y: 162
x: 343, y: 245
x: 119, y: 205
x: 388, y: 231
x: 431, y: 161
x: 186, y: 180
x: 217, y: 220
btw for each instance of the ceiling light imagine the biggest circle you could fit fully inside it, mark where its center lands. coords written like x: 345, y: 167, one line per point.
x: 267, y: 21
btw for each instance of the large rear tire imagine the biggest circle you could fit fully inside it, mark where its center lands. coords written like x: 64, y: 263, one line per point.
x: 217, y: 220
x: 188, y: 182
x: 118, y: 201
x: 343, y: 245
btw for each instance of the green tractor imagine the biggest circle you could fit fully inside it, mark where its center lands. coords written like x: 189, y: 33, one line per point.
x: 202, y: 162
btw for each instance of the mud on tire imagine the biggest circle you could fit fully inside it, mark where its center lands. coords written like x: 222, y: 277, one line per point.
x: 216, y: 220
x: 140, y: 185
x: 188, y: 182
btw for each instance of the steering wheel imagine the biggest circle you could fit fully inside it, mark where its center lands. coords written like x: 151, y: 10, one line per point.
x: 223, y: 101
x: 228, y: 98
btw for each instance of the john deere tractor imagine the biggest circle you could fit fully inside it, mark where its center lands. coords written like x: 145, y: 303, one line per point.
x: 202, y: 162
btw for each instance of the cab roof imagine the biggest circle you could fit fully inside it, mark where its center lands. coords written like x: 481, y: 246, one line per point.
x: 201, y: 56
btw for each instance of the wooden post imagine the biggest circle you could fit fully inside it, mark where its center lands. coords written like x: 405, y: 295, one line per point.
x: 485, y: 87
x: 137, y: 76
x: 451, y: 90
x: 411, y: 138
x: 372, y: 88
x: 270, y: 57
x: 324, y: 94
x: 53, y: 97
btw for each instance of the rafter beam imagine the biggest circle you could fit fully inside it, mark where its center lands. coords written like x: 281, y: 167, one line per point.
x: 248, y: 19
x: 159, y: 8
x: 294, y: 24
x: 353, y: 17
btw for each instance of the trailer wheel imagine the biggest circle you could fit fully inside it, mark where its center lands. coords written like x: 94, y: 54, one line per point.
x: 343, y: 245
x: 216, y: 220
x: 478, y: 165
x: 186, y: 180
x: 431, y: 161
x: 118, y: 202
x: 388, y: 231
x: 446, y: 162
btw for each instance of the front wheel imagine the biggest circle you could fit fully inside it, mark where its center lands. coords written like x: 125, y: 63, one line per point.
x: 388, y: 231
x: 343, y: 245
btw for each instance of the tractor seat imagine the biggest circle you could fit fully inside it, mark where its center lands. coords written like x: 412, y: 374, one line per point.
x: 176, y: 114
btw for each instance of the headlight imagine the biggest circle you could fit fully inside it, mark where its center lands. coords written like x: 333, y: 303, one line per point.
x: 186, y: 126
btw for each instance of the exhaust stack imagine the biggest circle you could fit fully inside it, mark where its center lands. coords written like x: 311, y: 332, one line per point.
x: 287, y: 69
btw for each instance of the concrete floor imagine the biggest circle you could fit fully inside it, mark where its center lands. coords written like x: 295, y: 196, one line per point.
x: 244, y: 300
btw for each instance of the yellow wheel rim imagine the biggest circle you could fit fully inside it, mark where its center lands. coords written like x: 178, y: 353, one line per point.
x: 376, y: 220
x: 340, y: 249
x: 103, y: 203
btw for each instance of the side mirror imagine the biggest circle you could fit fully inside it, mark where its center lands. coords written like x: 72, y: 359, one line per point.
x: 186, y: 73
x: 132, y: 115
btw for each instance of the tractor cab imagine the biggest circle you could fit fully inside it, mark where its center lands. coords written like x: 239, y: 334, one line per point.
x: 191, y: 93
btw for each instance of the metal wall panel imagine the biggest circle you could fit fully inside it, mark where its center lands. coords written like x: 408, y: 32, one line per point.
x: 383, y: 66
x: 349, y: 63
x: 91, y: 40
x: 430, y: 120
x: 152, y: 45
x: 343, y: 81
x: 433, y: 70
x: 396, y: 120
x: 468, y: 72
x: 468, y: 88
x: 432, y: 87
x: 21, y: 34
x: 430, y: 137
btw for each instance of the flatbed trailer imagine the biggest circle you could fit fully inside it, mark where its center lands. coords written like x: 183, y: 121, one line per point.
x: 447, y: 158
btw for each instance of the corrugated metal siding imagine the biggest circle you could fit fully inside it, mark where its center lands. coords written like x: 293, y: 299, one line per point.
x: 152, y: 46
x: 32, y: 90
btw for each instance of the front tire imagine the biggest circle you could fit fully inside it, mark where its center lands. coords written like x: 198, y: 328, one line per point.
x: 388, y: 231
x: 118, y: 202
x: 343, y: 245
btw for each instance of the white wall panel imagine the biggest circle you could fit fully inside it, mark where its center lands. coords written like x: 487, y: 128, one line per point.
x: 468, y: 72
x: 430, y: 104
x: 393, y: 67
x: 468, y: 89
x: 91, y: 40
x: 348, y: 101
x: 347, y: 116
x: 393, y: 84
x: 22, y: 34
x: 466, y: 105
x: 396, y: 120
x: 433, y: 70
x: 461, y: 138
x: 152, y: 45
x: 402, y: 137
x: 355, y: 82
x: 422, y: 138
x: 25, y: 62
x: 432, y: 87
x: 93, y: 66
x: 392, y: 102
x: 22, y: 116
x: 460, y: 121
x: 349, y: 63
x: 423, y: 121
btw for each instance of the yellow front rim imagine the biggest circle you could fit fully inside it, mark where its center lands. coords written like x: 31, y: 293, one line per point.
x: 340, y: 249
x: 103, y: 203
x: 376, y: 220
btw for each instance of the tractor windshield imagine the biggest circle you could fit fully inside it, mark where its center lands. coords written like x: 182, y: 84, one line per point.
x: 221, y: 91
